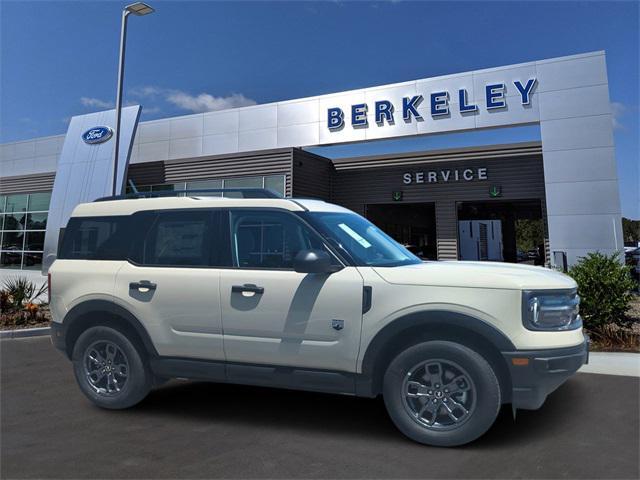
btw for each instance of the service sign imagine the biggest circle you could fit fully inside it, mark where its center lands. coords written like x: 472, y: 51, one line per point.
x: 438, y: 104
x: 97, y: 135
x: 445, y: 175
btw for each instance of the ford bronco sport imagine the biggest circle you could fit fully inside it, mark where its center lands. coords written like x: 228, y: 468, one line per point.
x: 303, y: 294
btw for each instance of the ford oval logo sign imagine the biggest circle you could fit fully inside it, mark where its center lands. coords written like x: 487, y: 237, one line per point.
x: 97, y: 135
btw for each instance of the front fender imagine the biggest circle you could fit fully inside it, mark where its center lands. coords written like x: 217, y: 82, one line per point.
x: 404, y: 328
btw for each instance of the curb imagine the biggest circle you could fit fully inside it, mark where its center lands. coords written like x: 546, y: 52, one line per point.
x: 613, y: 363
x: 25, y: 332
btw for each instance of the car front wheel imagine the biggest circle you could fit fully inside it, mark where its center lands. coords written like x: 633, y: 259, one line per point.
x: 441, y: 393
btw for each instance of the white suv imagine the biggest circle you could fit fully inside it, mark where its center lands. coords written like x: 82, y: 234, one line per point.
x: 303, y: 294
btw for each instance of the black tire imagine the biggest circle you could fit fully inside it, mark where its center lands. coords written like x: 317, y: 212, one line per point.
x: 481, y: 407
x: 134, y: 387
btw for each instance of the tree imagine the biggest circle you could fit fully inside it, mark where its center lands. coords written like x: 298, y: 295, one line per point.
x: 630, y: 230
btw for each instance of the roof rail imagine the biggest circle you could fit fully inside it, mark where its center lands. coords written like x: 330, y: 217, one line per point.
x: 244, y: 193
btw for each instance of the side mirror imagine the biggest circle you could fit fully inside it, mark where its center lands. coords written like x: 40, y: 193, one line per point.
x: 313, y: 261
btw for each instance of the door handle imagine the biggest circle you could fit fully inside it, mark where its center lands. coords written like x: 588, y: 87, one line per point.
x: 142, y: 286
x: 247, y: 287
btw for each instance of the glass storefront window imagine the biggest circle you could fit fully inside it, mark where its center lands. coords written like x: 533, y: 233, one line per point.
x: 34, y: 241
x: 141, y: 189
x: 246, y: 182
x: 12, y: 240
x: 16, y: 203
x: 23, y: 221
x: 32, y: 261
x: 39, y: 202
x: 167, y: 187
x: 13, y: 221
x: 205, y: 185
x: 271, y: 182
x: 275, y: 183
x: 37, y: 221
x: 10, y: 259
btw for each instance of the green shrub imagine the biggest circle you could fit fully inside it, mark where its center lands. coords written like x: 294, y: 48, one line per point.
x: 18, y: 292
x: 604, y: 286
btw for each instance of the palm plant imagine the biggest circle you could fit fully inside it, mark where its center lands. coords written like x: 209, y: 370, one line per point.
x: 20, y: 291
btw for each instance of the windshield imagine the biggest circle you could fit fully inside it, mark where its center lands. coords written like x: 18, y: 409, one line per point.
x: 361, y: 240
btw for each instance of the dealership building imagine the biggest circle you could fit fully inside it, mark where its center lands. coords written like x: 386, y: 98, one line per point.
x: 469, y: 203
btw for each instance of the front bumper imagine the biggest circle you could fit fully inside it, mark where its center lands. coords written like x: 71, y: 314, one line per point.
x: 537, y: 373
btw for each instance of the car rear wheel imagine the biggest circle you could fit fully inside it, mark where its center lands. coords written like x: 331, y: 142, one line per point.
x: 441, y: 393
x: 109, y: 368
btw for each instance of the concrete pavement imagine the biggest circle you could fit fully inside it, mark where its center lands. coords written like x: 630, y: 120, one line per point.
x: 589, y: 428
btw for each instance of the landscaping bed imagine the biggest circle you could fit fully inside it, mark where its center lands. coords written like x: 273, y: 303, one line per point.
x: 18, y: 320
x: 21, y: 305
x: 621, y: 336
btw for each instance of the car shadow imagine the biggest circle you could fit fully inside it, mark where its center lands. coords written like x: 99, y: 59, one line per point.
x: 230, y: 405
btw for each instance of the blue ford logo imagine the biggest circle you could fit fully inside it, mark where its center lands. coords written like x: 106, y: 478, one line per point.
x: 97, y: 135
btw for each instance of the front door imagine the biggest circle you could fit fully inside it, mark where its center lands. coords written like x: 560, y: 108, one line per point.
x: 171, y: 284
x: 273, y: 315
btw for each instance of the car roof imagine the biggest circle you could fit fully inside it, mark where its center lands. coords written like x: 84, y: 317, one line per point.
x: 130, y: 206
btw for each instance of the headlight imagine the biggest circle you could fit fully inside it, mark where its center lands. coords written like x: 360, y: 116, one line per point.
x: 551, y: 310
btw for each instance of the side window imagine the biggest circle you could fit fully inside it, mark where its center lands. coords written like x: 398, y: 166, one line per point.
x: 267, y: 239
x: 96, y: 238
x: 177, y: 238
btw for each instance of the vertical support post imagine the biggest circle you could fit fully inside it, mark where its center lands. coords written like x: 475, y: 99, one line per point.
x: 123, y: 40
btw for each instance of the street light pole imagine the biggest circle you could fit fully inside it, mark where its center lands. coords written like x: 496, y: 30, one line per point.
x: 123, y: 41
x: 137, y: 9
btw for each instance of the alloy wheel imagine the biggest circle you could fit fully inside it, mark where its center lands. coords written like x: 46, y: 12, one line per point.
x: 439, y: 394
x: 106, y: 368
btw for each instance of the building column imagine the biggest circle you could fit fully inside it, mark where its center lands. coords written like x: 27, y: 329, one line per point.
x: 581, y: 184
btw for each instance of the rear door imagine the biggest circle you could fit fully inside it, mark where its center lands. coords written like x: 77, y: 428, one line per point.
x: 171, y: 281
x: 273, y: 315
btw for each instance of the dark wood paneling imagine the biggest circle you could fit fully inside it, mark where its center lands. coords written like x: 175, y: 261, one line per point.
x: 467, y: 153
x: 148, y: 173
x: 312, y: 175
x: 447, y: 230
x: 519, y: 177
x: 41, y: 182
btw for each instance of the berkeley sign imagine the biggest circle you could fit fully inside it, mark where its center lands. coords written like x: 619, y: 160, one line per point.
x: 384, y: 110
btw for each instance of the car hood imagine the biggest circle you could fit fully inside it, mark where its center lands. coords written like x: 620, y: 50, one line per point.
x: 477, y: 275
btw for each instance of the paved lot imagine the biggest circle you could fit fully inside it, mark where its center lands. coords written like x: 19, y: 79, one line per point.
x: 588, y: 429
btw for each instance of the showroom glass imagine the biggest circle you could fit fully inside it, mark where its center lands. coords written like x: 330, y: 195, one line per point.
x: 23, y: 221
x: 271, y: 182
x: 269, y: 240
x: 365, y: 243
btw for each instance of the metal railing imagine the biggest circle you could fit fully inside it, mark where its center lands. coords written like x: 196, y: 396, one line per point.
x: 237, y: 193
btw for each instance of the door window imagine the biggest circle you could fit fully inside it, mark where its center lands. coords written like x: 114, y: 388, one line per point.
x: 178, y: 238
x: 269, y: 240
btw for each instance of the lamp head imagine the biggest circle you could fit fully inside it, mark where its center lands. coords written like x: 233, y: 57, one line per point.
x: 139, y: 8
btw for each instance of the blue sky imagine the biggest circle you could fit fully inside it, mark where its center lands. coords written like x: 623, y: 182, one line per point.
x: 59, y: 58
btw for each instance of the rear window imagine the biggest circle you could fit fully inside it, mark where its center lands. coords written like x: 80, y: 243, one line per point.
x: 96, y: 238
x: 170, y: 238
